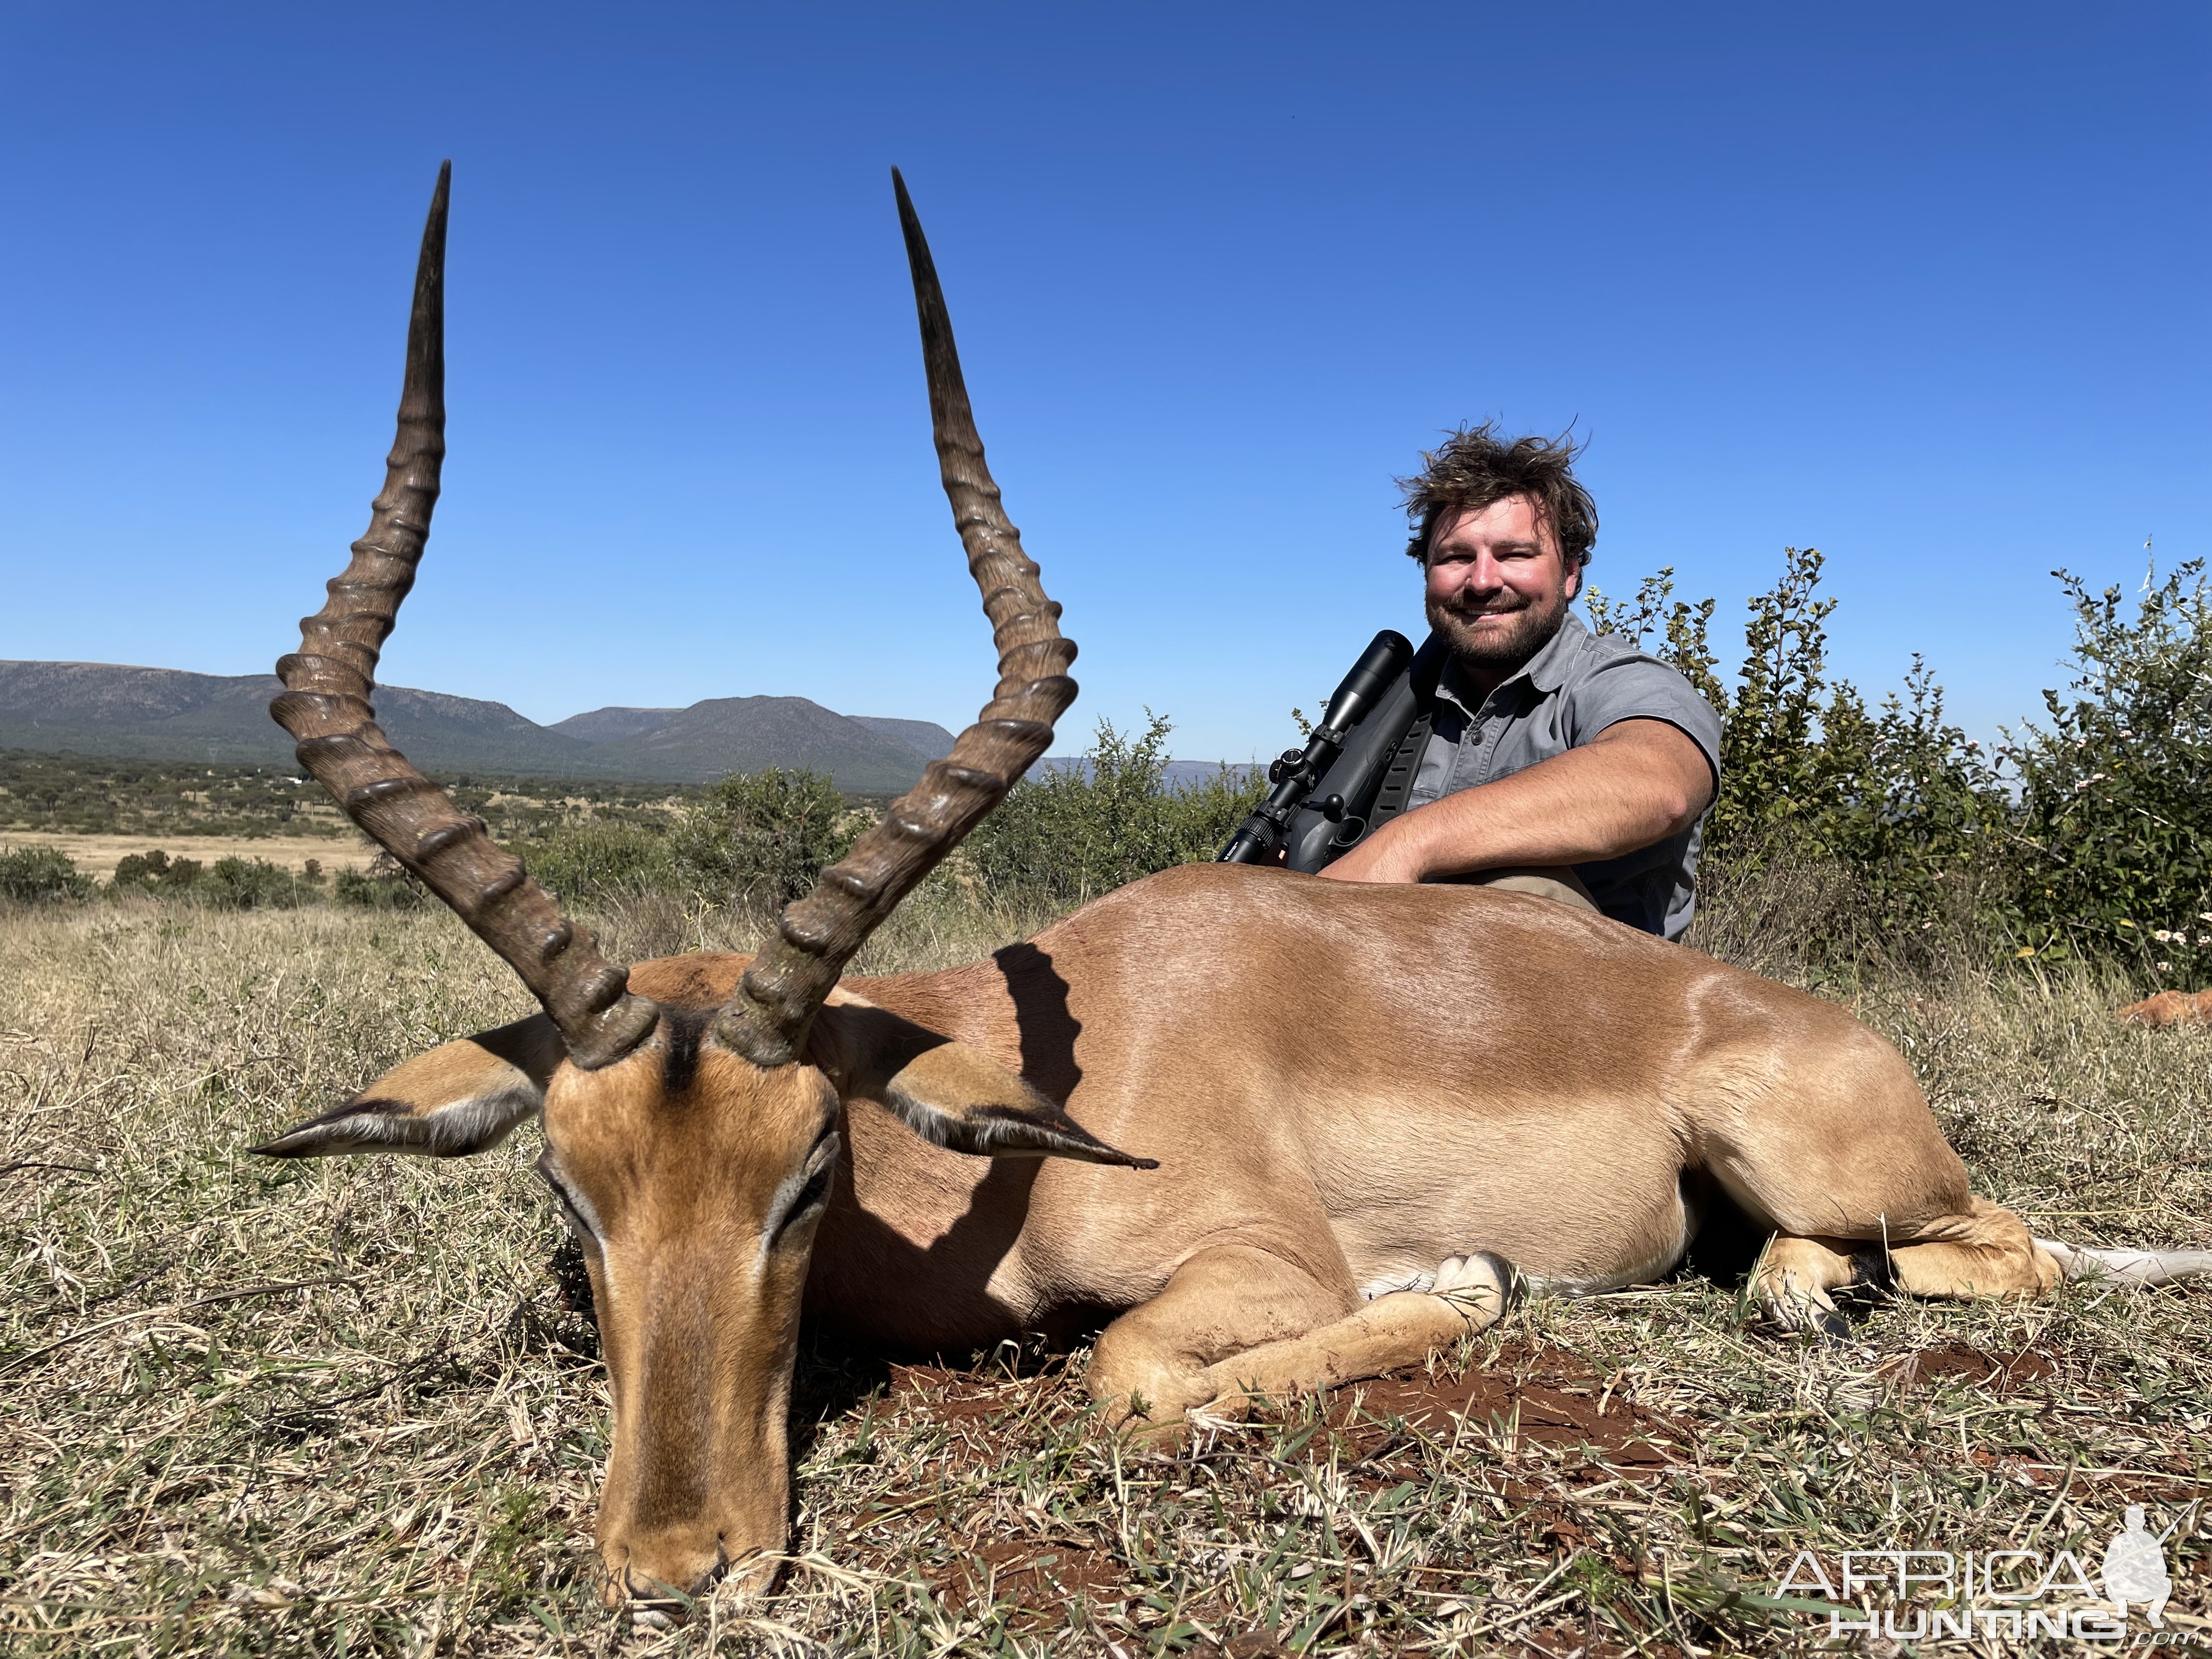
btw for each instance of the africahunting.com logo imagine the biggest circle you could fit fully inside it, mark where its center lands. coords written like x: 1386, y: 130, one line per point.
x: 1968, y: 1595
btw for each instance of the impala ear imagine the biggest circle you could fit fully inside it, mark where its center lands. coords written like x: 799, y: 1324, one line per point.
x: 947, y: 1092
x: 960, y: 1098
x: 461, y: 1097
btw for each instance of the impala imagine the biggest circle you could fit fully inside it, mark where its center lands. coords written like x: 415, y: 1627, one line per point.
x: 1274, y: 1132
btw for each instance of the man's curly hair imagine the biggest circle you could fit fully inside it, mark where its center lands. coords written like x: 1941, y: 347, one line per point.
x: 1475, y: 466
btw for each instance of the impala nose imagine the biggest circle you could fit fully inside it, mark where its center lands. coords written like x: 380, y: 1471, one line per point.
x: 661, y: 1584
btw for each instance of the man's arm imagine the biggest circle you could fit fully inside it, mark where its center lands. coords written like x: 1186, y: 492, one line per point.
x: 1637, y: 782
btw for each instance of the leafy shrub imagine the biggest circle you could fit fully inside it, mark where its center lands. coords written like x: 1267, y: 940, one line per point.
x: 385, y: 886
x: 1076, y: 833
x: 763, y: 836
x: 2091, y: 837
x: 41, y: 875
x: 154, y: 873
x: 596, y: 857
x: 2114, y: 821
x: 249, y: 884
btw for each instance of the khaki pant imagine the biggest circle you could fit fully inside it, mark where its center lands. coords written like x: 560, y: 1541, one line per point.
x: 1558, y: 881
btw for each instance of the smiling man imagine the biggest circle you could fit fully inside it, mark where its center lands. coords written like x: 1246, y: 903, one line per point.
x: 1556, y: 762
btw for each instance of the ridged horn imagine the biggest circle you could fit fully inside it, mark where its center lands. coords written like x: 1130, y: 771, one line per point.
x: 325, y: 707
x: 766, y: 1019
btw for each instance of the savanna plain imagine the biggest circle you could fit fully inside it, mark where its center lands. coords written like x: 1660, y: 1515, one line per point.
x: 354, y: 1406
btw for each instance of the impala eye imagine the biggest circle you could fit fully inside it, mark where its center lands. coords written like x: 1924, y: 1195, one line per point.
x: 812, y: 1194
x: 810, y: 1189
x: 572, y: 1213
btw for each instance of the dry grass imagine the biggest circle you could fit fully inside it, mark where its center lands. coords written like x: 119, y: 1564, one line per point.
x: 341, y: 1407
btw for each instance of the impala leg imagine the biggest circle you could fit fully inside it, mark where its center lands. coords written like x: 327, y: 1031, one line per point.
x: 1986, y: 1251
x: 1794, y: 1277
x: 1983, y: 1250
x: 1237, y: 1323
x: 1401, y: 1328
x: 1151, y: 1362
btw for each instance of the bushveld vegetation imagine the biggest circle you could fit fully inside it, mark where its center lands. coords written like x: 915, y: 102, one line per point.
x: 76, y: 794
x: 354, y: 1405
x: 2085, y: 833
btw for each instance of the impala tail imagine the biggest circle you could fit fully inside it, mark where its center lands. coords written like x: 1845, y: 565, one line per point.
x: 2078, y: 1262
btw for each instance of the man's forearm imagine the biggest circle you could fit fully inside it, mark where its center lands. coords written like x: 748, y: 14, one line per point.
x: 1614, y: 796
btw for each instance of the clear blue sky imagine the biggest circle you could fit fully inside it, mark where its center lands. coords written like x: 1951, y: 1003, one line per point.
x: 1924, y: 285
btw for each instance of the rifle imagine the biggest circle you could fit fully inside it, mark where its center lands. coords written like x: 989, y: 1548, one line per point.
x: 1326, y: 795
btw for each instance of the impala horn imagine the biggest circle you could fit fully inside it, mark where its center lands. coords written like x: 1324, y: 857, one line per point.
x: 767, y: 1017
x: 325, y: 707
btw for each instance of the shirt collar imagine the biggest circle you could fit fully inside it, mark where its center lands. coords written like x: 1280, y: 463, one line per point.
x: 1546, y: 671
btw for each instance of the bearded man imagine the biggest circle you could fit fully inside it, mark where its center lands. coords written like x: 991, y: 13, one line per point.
x: 1558, y: 761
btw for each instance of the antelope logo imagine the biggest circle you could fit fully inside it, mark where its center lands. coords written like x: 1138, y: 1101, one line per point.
x: 1319, y: 1086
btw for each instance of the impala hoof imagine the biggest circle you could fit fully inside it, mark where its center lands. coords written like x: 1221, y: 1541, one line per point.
x: 1484, y: 1279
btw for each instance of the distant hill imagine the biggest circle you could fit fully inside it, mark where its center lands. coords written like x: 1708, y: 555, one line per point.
x: 167, y: 715
x: 866, y: 753
x: 606, y: 725
x: 925, y: 738
x: 743, y: 734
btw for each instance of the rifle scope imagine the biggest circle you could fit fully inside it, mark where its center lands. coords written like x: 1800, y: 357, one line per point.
x: 1295, y: 772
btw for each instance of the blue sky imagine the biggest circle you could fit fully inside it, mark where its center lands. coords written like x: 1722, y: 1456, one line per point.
x: 1921, y: 286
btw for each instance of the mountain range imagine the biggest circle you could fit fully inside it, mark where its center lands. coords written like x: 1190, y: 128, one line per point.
x: 168, y: 714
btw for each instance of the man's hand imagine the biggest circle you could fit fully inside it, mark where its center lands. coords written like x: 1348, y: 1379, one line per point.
x: 1639, y: 781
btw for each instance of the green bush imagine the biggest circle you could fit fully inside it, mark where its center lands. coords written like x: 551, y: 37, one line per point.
x: 2114, y: 821
x: 1076, y: 833
x: 763, y: 836
x: 385, y: 886
x: 249, y: 884
x: 154, y: 873
x: 599, y: 858
x: 2091, y: 837
x: 41, y: 875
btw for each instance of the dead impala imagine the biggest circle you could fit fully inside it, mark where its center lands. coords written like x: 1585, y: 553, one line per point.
x: 1282, y: 1132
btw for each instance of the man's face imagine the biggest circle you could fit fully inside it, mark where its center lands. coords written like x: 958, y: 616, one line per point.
x: 1499, y: 586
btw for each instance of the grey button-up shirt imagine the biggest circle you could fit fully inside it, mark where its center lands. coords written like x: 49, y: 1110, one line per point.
x: 1577, y: 685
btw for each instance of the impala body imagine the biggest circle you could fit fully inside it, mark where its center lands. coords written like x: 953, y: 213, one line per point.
x: 1274, y: 1132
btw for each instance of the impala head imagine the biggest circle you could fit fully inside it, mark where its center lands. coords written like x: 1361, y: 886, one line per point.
x: 693, y: 1108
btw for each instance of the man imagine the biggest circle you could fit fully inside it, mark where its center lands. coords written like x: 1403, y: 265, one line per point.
x: 1550, y: 746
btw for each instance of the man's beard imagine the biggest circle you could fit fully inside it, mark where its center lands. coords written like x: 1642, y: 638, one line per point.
x: 1500, y: 651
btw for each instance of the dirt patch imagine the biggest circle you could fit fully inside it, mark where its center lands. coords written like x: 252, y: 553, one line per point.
x: 957, y: 1396
x: 1039, y: 1579
x: 1999, y: 1373
x: 1546, y: 1397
